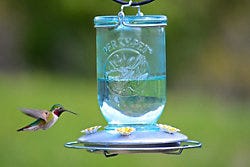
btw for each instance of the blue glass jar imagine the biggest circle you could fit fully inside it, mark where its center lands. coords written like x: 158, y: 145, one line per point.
x: 131, y: 68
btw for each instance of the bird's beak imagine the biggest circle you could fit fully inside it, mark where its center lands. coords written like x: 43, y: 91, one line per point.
x: 70, y: 112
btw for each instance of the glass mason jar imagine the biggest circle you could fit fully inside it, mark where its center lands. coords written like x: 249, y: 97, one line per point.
x: 131, y: 68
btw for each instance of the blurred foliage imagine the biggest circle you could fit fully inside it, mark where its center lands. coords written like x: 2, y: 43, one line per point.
x: 207, y: 40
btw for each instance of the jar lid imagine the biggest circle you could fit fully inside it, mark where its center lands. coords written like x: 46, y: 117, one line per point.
x: 130, y: 21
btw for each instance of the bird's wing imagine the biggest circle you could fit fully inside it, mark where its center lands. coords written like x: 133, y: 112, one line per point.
x: 43, y: 114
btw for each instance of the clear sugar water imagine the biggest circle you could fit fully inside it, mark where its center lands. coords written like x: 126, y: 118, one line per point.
x: 131, y: 69
x: 132, y: 101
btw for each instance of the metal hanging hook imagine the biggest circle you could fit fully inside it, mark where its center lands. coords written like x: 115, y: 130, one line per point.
x: 126, y: 5
x: 121, y: 18
x: 133, y: 3
x: 121, y: 14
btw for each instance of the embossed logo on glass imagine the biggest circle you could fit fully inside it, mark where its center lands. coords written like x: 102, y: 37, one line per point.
x: 125, y: 68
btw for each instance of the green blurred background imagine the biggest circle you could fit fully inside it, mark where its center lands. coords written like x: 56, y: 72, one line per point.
x: 47, y: 56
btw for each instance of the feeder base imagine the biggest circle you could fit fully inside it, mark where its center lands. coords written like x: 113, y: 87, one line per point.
x: 110, y: 143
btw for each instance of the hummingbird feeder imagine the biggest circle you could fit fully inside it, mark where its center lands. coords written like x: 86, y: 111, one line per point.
x: 131, y: 76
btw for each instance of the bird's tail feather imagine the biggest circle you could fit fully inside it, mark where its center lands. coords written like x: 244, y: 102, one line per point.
x: 29, y: 128
x: 23, y: 128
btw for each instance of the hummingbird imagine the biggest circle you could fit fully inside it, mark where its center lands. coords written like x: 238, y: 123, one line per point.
x: 45, y: 118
